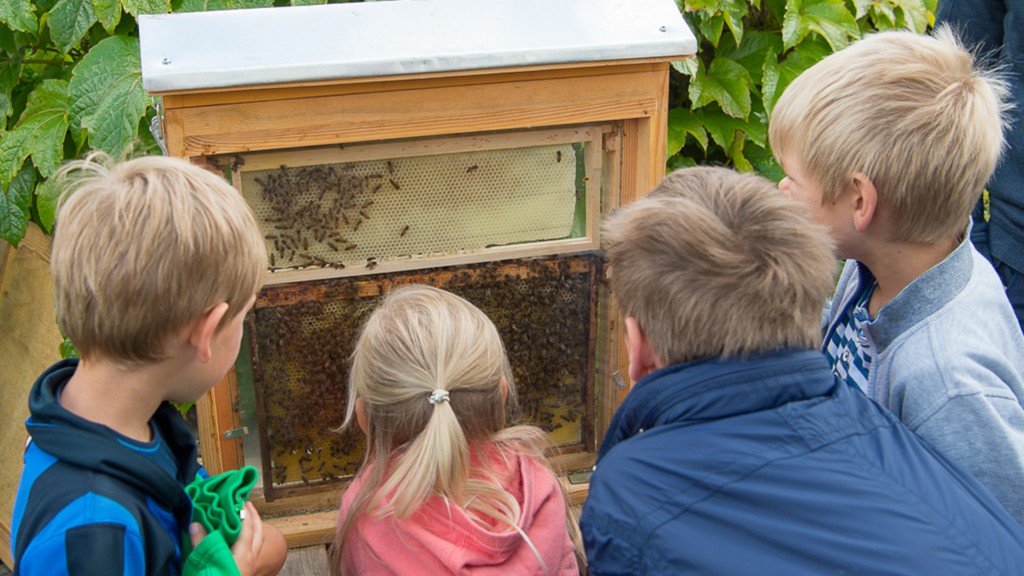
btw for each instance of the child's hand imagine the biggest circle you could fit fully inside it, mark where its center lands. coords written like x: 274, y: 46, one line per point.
x: 246, y: 549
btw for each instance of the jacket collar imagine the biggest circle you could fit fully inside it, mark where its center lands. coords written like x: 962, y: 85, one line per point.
x: 93, y: 446
x: 922, y: 297
x: 713, y: 389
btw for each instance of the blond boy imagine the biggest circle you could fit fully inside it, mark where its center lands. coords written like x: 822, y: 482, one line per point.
x: 155, y: 263
x: 738, y: 451
x: 889, y: 143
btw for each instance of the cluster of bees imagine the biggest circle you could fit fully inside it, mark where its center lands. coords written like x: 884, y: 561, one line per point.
x: 316, y: 210
x: 300, y: 367
x: 544, y: 309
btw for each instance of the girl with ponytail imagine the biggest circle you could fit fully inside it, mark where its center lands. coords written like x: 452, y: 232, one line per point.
x: 446, y: 487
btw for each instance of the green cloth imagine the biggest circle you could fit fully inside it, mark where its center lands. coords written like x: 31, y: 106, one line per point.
x: 216, y: 502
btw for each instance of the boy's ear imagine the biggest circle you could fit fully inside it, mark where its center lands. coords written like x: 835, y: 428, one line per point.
x: 205, y: 326
x: 865, y: 201
x: 642, y: 359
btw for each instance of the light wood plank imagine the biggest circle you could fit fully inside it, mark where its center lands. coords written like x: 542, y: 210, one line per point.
x: 308, y: 561
x: 414, y: 113
x: 255, y: 93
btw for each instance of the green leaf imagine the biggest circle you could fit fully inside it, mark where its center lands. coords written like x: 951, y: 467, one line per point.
x: 307, y: 2
x: 735, y: 11
x: 751, y: 52
x: 708, y: 25
x: 861, y: 8
x: 777, y: 76
x: 69, y: 21
x: 695, y: 5
x: 829, y: 18
x: 39, y: 132
x: 136, y: 7
x: 207, y: 5
x: 679, y: 161
x: 107, y: 95
x: 722, y: 127
x: 883, y: 16
x: 682, y: 121
x: 688, y: 66
x: 47, y: 196
x: 67, y: 348
x: 763, y: 161
x: 694, y: 67
x: 18, y: 15
x: 108, y: 12
x: 10, y: 74
x: 727, y: 83
x: 735, y: 152
x: 14, y: 206
x: 915, y: 15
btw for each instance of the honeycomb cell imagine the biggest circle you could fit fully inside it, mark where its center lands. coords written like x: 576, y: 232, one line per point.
x: 361, y: 214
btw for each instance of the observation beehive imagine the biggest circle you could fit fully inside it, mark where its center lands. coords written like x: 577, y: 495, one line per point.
x: 471, y: 146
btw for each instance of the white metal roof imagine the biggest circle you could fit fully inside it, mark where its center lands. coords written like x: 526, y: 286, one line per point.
x: 302, y: 43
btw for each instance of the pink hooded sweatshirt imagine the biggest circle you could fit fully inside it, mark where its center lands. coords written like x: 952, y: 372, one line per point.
x: 441, y: 539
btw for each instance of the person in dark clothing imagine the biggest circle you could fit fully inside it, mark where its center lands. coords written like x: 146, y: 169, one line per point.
x: 738, y: 450
x: 996, y: 29
x: 155, y: 263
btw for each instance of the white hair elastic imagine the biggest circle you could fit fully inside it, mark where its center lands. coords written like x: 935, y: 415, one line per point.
x: 438, y: 396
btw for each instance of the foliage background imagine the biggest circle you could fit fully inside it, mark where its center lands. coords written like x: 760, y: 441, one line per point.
x: 748, y: 52
x: 71, y: 82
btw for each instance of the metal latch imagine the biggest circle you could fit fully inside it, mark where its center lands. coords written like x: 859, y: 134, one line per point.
x: 236, y: 433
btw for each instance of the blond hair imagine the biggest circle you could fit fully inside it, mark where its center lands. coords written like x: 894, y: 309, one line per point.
x: 144, y: 247
x: 714, y: 263
x: 422, y: 341
x: 912, y: 112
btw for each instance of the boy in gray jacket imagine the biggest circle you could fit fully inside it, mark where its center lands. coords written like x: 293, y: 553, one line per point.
x: 889, y: 143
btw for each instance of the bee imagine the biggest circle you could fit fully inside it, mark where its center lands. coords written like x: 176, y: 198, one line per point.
x: 237, y: 162
x: 394, y: 184
x: 558, y: 156
x: 404, y: 230
x: 371, y: 263
x: 472, y: 169
x: 391, y: 167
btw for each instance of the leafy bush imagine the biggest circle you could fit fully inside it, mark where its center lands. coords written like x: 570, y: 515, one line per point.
x: 70, y: 82
x: 748, y: 52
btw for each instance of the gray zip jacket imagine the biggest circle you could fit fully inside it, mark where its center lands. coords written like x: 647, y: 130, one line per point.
x: 949, y: 362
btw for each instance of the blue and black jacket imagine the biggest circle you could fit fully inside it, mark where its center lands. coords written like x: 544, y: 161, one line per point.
x: 89, y: 502
x: 771, y: 465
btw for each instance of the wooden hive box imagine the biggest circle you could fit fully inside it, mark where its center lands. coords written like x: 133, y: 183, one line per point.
x: 472, y: 146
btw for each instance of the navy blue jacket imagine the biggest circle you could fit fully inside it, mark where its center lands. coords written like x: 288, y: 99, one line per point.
x: 772, y: 466
x: 997, y: 26
x: 88, y: 503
